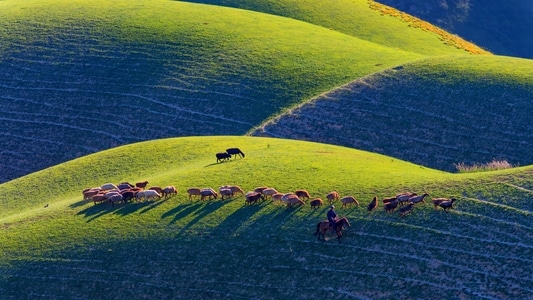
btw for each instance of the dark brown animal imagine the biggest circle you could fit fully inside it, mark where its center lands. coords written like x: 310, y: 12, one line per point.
x: 405, y: 210
x: 127, y: 195
x: 303, y: 194
x: 234, y: 152
x: 417, y: 199
x: 437, y: 201
x: 125, y: 186
x: 388, y: 200
x: 260, y: 189
x: 373, y: 204
x: 316, y: 203
x: 391, y: 206
x: 252, y: 198
x: 157, y: 189
x: 141, y: 184
x: 323, y: 227
x: 222, y: 156
x: 447, y: 205
x: 99, y: 198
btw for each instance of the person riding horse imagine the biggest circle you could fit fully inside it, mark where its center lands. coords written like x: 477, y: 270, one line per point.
x: 332, y: 218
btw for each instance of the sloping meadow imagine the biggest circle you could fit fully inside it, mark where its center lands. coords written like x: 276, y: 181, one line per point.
x: 433, y: 112
x: 179, y: 248
x: 83, y: 76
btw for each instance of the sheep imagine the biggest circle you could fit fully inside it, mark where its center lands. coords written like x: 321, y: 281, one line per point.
x: 269, y: 192
x: 447, y: 205
x: 332, y: 196
x: 406, y: 209
x: 349, y: 200
x: 141, y: 184
x: 391, y: 206
x: 302, y: 194
x: 316, y: 203
x: 373, y: 204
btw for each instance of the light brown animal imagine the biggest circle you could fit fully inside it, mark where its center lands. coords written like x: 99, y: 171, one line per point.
x: 236, y: 189
x: 332, y: 196
x: 276, y: 198
x: 294, y: 200
x: 89, y: 193
x: 194, y: 193
x: 169, y: 191
x: 349, y: 200
x: 99, y: 198
x: 417, y: 199
x: 316, y: 203
x: 260, y: 189
x: 208, y: 193
x: 267, y: 193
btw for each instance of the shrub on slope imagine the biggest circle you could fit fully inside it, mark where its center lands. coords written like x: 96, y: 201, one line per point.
x: 436, y: 112
x: 82, y: 76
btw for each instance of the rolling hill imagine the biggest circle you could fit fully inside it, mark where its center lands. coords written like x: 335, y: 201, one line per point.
x: 179, y: 249
x: 79, y: 77
x: 432, y: 112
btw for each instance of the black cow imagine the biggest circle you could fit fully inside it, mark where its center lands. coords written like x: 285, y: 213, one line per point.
x: 235, y: 151
x: 222, y: 156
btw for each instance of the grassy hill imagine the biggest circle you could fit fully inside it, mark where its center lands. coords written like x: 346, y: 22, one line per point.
x: 432, y: 112
x: 83, y: 76
x: 177, y: 249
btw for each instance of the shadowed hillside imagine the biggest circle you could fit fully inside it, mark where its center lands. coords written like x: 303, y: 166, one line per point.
x: 501, y: 26
x: 433, y: 113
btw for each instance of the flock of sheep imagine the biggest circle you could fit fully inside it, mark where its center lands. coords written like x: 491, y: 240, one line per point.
x: 126, y: 191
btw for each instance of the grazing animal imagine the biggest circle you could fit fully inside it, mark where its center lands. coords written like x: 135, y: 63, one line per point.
x: 225, y: 193
x: 405, y: 210
x: 234, y: 152
x: 148, y: 195
x: 391, y: 206
x: 388, y: 200
x: 293, y: 200
x: 127, y: 195
x: 141, y: 184
x: 157, y: 189
x: 193, y: 192
x: 108, y: 186
x: 115, y: 198
x: 169, y: 191
x: 349, y: 200
x: 332, y: 196
x: 316, y: 203
x: 437, y: 201
x: 222, y: 156
x: 276, y: 198
x: 88, y: 194
x: 323, y: 226
x: 236, y: 189
x: 373, y: 204
x: 269, y: 192
x: 403, y: 198
x: 99, y: 198
x: 302, y: 194
x: 260, y: 189
x: 208, y: 193
x: 252, y: 198
x: 447, y: 205
x: 417, y: 199
x: 125, y: 186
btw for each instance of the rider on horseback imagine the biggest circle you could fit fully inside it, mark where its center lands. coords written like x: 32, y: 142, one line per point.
x: 332, y: 218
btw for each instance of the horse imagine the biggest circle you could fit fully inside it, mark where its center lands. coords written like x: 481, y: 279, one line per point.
x: 222, y: 156
x: 234, y: 152
x: 323, y: 226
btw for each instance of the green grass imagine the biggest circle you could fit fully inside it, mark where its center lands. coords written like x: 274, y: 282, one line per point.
x: 178, y: 248
x: 435, y: 112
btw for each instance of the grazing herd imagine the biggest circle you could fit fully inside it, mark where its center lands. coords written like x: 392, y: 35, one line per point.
x: 125, y: 192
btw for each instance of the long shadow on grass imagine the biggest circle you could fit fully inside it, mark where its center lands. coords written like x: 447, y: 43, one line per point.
x: 95, y: 211
x: 79, y: 203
